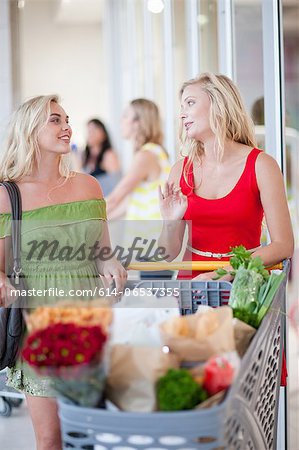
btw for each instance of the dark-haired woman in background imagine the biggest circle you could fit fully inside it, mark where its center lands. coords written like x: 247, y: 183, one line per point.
x: 99, y: 158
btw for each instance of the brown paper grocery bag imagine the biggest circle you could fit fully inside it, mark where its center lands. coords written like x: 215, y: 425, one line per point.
x: 243, y: 334
x: 134, y: 371
x: 221, y: 340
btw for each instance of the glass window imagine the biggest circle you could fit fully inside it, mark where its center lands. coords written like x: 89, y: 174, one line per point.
x: 249, y: 59
x: 291, y: 66
x: 208, y: 29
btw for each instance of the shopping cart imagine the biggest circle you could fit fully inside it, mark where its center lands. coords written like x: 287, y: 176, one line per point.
x: 246, y: 419
x: 9, y: 397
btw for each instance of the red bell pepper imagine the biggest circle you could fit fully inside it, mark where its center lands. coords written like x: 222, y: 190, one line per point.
x: 218, y: 375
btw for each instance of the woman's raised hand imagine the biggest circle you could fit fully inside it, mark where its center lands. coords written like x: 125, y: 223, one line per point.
x: 173, y: 204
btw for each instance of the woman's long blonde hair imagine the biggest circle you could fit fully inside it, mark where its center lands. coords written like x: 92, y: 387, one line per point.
x: 228, y: 117
x: 150, y: 126
x: 21, y: 150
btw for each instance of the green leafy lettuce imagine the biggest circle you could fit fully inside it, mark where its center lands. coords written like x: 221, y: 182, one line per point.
x: 253, y: 288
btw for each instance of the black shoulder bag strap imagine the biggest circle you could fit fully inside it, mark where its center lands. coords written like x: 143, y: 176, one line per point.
x: 16, y: 215
x: 11, y: 318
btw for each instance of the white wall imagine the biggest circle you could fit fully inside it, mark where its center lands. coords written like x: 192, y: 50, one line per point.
x: 5, y: 67
x: 63, y: 58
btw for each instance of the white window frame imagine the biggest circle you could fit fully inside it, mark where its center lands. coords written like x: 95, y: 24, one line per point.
x: 6, y: 93
x: 148, y: 52
x: 273, y: 80
x: 193, y: 37
x: 169, y: 80
x: 226, y: 54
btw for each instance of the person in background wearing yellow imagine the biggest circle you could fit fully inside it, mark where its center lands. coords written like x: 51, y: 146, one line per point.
x: 141, y: 124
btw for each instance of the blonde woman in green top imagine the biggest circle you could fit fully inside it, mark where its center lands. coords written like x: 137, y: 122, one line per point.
x: 63, y: 208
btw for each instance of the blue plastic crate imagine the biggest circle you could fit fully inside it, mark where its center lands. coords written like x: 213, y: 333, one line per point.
x: 191, y: 293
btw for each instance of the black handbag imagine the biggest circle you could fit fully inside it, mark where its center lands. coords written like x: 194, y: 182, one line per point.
x: 12, y: 324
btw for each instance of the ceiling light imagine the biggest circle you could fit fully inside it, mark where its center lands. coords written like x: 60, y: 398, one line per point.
x: 21, y: 4
x: 202, y: 19
x: 155, y: 6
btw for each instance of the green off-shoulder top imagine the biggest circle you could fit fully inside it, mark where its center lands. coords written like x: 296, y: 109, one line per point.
x: 60, y: 245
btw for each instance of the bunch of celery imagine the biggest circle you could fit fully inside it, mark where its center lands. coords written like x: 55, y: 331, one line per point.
x: 253, y: 288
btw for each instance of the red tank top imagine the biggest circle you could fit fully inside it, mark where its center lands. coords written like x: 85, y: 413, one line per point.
x: 217, y: 225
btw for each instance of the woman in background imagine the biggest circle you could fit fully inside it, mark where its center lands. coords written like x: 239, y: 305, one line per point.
x: 99, y: 158
x: 141, y: 125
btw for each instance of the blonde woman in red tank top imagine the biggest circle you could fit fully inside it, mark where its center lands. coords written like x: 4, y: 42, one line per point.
x: 225, y: 185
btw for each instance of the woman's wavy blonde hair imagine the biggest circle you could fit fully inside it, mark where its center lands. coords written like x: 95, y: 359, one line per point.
x: 150, y: 126
x: 21, y: 150
x: 228, y: 117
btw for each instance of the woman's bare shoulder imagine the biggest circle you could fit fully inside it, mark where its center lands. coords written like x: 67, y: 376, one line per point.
x: 268, y: 172
x: 266, y: 163
x: 86, y: 184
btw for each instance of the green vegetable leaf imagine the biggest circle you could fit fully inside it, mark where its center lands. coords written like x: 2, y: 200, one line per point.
x: 253, y: 289
x: 251, y: 307
x: 272, y: 287
x: 221, y: 272
x: 241, y: 256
